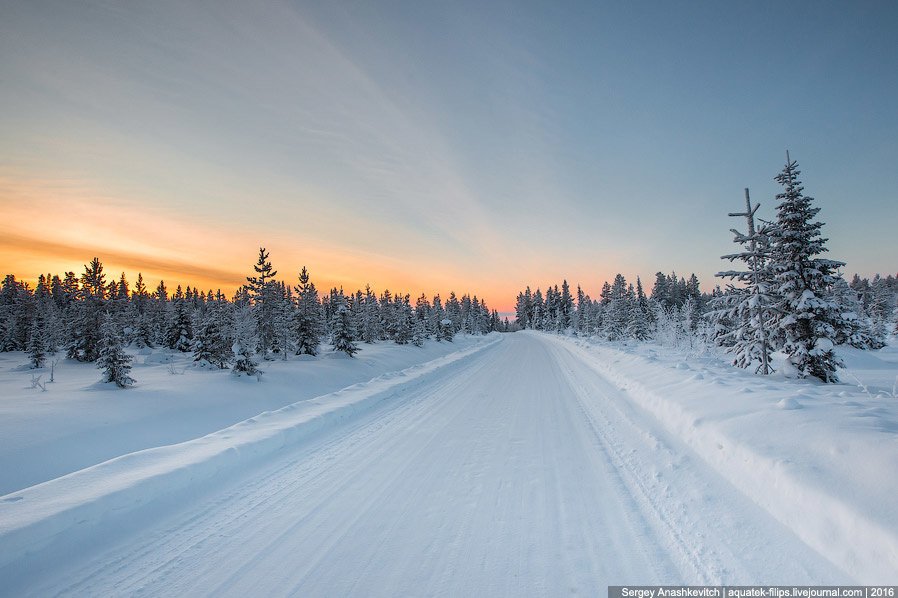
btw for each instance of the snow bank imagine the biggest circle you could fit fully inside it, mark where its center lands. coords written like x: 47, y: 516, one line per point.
x: 820, y: 458
x: 77, y: 507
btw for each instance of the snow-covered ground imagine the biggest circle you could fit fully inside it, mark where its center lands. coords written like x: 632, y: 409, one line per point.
x: 524, y: 464
x: 78, y: 421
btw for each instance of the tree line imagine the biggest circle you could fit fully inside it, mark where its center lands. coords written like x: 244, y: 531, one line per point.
x: 92, y: 320
x: 785, y: 297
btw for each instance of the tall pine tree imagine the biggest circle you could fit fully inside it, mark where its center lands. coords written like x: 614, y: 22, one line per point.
x: 809, y: 319
x: 307, y: 323
x: 263, y: 295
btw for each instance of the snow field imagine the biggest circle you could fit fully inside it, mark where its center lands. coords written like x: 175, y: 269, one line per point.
x: 819, y: 458
x: 85, y: 505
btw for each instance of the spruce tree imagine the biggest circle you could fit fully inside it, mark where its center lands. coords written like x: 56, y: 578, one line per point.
x: 419, y: 333
x: 404, y: 323
x: 808, y: 320
x: 211, y: 343
x: 618, y: 310
x: 524, y: 309
x: 37, y: 349
x: 88, y: 314
x: 453, y: 312
x: 307, y: 319
x: 341, y: 335
x: 437, y: 314
x: 115, y: 363
x: 447, y: 330
x: 371, y: 324
x: 422, y: 313
x: 639, y: 323
x: 744, y: 314
x: 565, y: 307
x: 263, y: 293
x: 389, y: 321
x: 538, y: 310
x: 245, y: 342
x: 858, y: 329
x: 661, y: 292
x: 179, y: 334
x: 283, y: 309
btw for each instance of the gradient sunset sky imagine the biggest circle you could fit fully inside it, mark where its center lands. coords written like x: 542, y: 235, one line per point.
x: 436, y: 146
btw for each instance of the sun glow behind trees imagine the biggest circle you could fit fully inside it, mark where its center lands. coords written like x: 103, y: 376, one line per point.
x: 163, y: 244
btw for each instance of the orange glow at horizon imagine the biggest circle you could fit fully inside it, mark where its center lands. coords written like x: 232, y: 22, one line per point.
x: 24, y: 260
x: 56, y: 226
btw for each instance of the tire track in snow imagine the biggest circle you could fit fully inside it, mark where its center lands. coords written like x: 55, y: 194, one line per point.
x: 185, y: 536
x: 720, y: 535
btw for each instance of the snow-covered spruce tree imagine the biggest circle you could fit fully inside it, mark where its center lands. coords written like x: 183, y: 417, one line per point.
x: 371, y: 324
x: 404, y: 317
x: 536, y: 310
x: 11, y: 292
x: 858, y: 329
x: 453, y: 313
x: 115, y: 363
x: 669, y: 328
x: 423, y: 315
x: 159, y: 310
x: 550, y: 309
x: 882, y: 304
x: 54, y: 327
x: 743, y: 316
x: 283, y: 319
x: 619, y: 310
x: 264, y: 303
x: 179, y: 334
x: 565, y: 307
x: 419, y: 332
x: 437, y: 314
x: 661, y: 292
x: 356, y: 313
x: 639, y: 325
x: 580, y: 318
x: 808, y: 318
x: 389, y: 320
x: 447, y: 330
x: 210, y: 344
x: 244, y: 343
x: 307, y: 324
x: 341, y: 335
x: 524, y: 309
x: 37, y: 349
x: 88, y: 314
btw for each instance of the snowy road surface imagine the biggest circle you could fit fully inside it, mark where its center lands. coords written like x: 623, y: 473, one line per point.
x: 518, y: 471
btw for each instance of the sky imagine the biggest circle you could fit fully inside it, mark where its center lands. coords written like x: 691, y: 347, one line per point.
x: 436, y: 146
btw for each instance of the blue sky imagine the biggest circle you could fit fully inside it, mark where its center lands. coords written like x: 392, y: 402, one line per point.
x: 428, y: 146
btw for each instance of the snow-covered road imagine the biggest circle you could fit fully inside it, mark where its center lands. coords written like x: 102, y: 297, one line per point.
x: 517, y: 471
